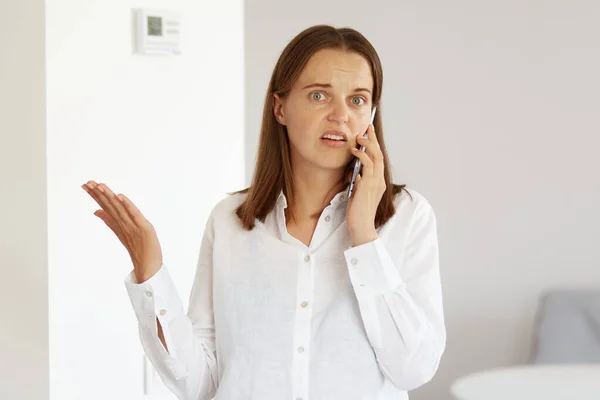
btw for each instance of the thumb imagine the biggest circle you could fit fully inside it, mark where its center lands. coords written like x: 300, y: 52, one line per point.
x: 111, y: 223
x: 100, y: 214
x: 105, y: 218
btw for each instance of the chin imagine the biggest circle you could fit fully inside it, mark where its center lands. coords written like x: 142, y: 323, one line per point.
x: 332, y: 163
x: 323, y: 160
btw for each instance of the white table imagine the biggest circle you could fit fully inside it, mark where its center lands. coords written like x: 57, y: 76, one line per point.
x: 531, y: 382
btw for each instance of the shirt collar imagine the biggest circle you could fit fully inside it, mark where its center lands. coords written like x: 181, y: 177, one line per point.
x: 281, y: 201
x: 338, y: 200
x: 276, y: 219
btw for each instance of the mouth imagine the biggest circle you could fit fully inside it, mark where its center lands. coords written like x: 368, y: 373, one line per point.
x: 335, y: 136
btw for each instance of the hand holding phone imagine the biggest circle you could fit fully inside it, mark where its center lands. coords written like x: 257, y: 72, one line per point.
x: 358, y: 164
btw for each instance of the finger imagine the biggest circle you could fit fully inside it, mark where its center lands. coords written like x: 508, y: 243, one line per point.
x: 356, y: 186
x: 373, y: 150
x: 93, y: 189
x: 366, y: 142
x: 108, y: 206
x: 90, y: 185
x: 367, y: 163
x: 372, y: 145
x: 120, y: 214
x: 107, y: 219
x: 111, y: 223
x: 371, y: 134
x: 135, y: 214
x: 98, y: 194
x: 362, y: 140
x: 90, y: 188
x: 104, y: 217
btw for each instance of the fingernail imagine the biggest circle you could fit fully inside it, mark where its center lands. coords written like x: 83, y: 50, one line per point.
x: 101, y: 189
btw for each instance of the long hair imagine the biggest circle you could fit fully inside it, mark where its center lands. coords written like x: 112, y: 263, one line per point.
x: 273, y: 170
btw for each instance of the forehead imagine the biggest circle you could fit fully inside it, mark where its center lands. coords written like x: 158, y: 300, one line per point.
x: 337, y: 67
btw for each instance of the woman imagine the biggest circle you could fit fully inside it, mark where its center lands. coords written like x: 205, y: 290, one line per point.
x: 300, y: 292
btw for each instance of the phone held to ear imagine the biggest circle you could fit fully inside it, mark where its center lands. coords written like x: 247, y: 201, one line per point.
x: 358, y: 164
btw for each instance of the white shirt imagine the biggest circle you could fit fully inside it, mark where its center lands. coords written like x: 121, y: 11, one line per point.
x: 270, y: 318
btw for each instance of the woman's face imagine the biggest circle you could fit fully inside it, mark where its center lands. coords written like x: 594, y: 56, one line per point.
x: 326, y: 108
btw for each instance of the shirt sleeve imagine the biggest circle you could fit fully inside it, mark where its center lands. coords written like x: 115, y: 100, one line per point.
x: 400, y: 299
x: 189, y: 368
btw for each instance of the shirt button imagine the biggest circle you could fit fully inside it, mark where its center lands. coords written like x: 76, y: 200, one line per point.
x: 304, y: 304
x: 163, y: 312
x: 306, y: 258
x: 300, y: 349
x: 327, y: 218
x: 149, y: 293
x: 354, y: 261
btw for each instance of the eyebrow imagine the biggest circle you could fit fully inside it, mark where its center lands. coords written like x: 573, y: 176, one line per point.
x: 327, y: 85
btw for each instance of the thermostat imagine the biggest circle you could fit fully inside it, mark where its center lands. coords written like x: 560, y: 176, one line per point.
x: 158, y: 32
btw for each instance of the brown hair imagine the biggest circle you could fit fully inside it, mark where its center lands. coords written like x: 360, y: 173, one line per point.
x: 273, y: 171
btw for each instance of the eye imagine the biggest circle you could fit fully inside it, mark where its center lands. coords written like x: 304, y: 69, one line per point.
x: 357, y: 101
x: 317, y: 96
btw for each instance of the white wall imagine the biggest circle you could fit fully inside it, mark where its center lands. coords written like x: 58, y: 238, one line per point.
x: 166, y: 131
x: 24, y: 276
x: 491, y: 111
x: 154, y: 128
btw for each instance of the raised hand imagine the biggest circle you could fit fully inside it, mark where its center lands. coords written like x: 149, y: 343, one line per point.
x: 370, y: 187
x: 134, y: 231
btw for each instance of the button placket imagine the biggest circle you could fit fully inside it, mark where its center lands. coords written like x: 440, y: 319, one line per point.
x: 304, y: 304
x: 302, y: 328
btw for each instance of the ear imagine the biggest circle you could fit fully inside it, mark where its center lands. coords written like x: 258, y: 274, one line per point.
x: 278, y: 111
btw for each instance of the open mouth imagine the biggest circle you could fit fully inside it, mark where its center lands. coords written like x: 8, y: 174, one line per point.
x: 334, y: 137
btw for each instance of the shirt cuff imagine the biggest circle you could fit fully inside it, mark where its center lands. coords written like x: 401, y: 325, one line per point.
x: 157, y: 297
x: 371, y: 268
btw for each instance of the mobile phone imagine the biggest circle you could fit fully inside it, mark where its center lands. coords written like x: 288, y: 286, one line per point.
x: 357, y: 163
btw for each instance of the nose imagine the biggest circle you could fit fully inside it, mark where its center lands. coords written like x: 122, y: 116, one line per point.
x: 339, y: 112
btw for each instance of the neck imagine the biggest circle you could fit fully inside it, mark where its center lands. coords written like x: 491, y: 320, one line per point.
x: 313, y: 191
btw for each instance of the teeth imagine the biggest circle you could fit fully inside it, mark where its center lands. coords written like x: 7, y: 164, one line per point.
x: 333, y: 137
